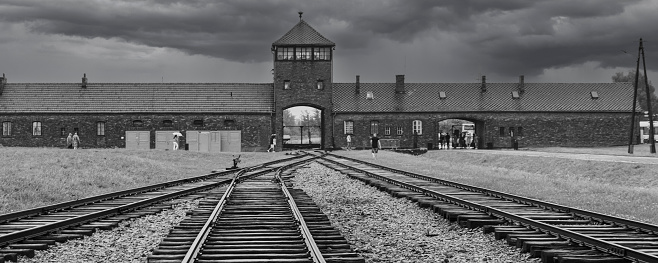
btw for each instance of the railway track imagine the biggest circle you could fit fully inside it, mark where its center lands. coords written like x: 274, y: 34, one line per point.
x: 258, y: 219
x: 553, y: 232
x: 23, y: 232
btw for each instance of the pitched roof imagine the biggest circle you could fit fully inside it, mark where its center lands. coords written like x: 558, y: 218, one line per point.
x: 460, y: 97
x: 136, y: 97
x: 303, y: 34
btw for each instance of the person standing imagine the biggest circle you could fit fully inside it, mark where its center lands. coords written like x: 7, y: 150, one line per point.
x: 447, y: 140
x: 376, y: 145
x: 69, y: 141
x: 349, y: 142
x: 176, y: 142
x: 76, y: 141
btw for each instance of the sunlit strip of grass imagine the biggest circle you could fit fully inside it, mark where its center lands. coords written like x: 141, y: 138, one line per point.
x: 33, y: 177
x: 621, y: 189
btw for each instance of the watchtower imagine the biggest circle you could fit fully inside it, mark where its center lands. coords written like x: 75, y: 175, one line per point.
x: 303, y: 76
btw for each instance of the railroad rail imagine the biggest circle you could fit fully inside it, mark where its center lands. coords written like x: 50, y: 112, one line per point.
x: 554, y: 232
x: 36, y: 229
x: 257, y: 219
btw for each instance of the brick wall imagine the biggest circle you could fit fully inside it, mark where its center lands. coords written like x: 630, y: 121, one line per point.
x: 255, y: 128
x: 303, y: 77
x: 539, y: 129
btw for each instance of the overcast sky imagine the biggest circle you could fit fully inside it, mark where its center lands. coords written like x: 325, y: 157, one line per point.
x: 230, y: 41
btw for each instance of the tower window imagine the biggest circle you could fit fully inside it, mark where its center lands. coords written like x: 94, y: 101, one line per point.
x: 303, y: 53
x: 417, y: 127
x: 285, y: 53
x: 369, y: 95
x: 348, y: 127
x: 286, y: 84
x: 321, y: 53
x: 320, y: 84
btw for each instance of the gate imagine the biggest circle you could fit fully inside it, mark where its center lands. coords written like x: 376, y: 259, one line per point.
x: 297, y: 137
x: 138, y: 140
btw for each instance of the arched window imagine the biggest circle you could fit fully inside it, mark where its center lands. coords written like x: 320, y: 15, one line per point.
x: 417, y: 127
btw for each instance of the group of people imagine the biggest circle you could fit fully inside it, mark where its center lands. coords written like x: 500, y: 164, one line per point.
x: 73, y: 141
x: 374, y: 143
x: 462, y: 140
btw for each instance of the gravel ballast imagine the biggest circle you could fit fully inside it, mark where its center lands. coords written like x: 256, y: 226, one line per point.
x: 132, y: 241
x: 387, y: 229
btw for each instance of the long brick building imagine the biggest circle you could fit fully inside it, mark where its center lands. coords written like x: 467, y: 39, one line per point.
x: 242, y: 116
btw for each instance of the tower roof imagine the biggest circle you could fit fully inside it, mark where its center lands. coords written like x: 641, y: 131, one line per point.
x: 303, y: 34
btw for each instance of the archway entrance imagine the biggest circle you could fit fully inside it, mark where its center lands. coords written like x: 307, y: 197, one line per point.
x: 463, y: 134
x: 302, y: 128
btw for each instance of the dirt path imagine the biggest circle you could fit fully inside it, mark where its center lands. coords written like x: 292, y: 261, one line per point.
x: 580, y: 156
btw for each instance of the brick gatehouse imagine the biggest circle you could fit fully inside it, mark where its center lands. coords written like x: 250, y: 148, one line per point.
x: 242, y: 116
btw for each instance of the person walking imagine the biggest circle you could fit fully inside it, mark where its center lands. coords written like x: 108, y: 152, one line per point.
x: 349, y: 142
x: 76, y: 141
x: 69, y: 141
x: 447, y: 140
x: 376, y: 145
x: 176, y: 139
x: 272, y: 143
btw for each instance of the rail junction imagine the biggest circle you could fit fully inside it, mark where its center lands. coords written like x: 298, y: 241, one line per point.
x: 256, y: 215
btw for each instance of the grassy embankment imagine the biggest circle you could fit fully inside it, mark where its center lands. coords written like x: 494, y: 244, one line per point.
x: 620, y: 189
x: 33, y: 177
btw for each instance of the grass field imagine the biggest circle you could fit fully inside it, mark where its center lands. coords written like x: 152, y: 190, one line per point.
x: 33, y: 177
x: 638, y: 150
x: 621, y: 189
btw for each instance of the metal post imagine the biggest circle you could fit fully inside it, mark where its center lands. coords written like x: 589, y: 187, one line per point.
x: 637, y: 70
x: 646, y: 84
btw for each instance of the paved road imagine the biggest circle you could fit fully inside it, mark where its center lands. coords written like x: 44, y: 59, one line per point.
x: 580, y: 156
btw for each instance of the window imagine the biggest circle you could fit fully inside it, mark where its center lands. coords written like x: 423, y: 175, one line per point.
x: 62, y: 131
x: 167, y: 123
x: 399, y: 130
x: 511, y: 131
x: 515, y: 95
x: 374, y: 127
x: 197, y: 122
x: 303, y: 53
x: 286, y: 84
x: 100, y: 128
x: 6, y: 128
x: 320, y: 84
x: 442, y: 94
x: 594, y: 94
x: 369, y: 95
x: 502, y: 131
x: 285, y: 53
x: 519, y: 131
x: 387, y: 131
x: 138, y: 123
x: 36, y: 128
x: 417, y: 127
x: 229, y: 122
x: 321, y: 53
x: 348, y: 127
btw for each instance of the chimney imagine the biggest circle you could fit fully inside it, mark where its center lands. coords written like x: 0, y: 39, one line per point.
x: 521, y: 85
x: 3, y: 83
x: 358, y: 84
x: 84, y: 81
x: 483, y: 88
x: 399, y: 84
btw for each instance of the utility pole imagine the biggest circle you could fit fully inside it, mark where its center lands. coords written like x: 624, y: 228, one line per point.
x: 646, y: 84
x: 637, y: 69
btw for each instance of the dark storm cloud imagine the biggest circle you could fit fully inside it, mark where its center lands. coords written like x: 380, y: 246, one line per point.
x: 508, y: 37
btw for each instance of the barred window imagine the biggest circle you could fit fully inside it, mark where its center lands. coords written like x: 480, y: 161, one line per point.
x: 285, y: 53
x: 198, y: 122
x: 399, y: 130
x: 138, y: 123
x: 501, y: 131
x: 387, y: 131
x: 374, y: 127
x: 6, y: 128
x: 167, y: 123
x: 417, y: 127
x: 62, y: 131
x: 36, y: 128
x: 286, y: 84
x: 519, y: 131
x: 348, y: 127
x: 100, y: 128
x: 321, y: 53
